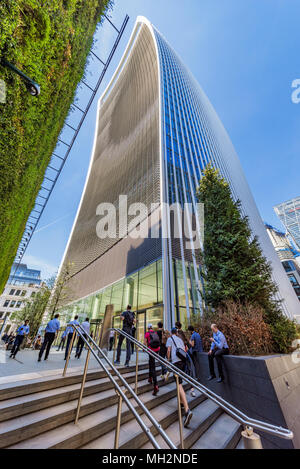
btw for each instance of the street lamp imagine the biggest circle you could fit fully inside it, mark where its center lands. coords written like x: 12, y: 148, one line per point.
x: 31, y: 85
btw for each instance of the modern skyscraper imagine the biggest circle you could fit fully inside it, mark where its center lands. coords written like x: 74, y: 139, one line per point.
x: 155, y: 133
x: 289, y: 214
x: 288, y: 255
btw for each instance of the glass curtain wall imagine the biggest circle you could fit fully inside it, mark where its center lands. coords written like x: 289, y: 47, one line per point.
x: 143, y: 290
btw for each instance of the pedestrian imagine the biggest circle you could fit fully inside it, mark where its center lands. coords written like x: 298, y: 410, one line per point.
x: 128, y: 319
x: 181, y: 334
x: 177, y: 355
x: 4, y: 338
x: 152, y: 341
x: 219, y: 347
x: 163, y: 337
x: 80, y: 344
x: 50, y: 332
x: 185, y: 340
x: 10, y: 341
x: 62, y: 341
x: 36, y: 344
x: 22, y: 331
x: 69, y: 334
x: 195, y: 349
x: 111, y: 339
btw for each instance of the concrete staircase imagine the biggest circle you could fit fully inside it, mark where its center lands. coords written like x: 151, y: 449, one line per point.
x: 39, y: 414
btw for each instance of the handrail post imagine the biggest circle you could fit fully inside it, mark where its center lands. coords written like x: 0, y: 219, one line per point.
x: 250, y: 439
x: 82, y: 385
x: 179, y: 413
x: 136, y: 363
x: 136, y: 369
x: 69, y: 352
x: 119, y: 413
x: 115, y: 347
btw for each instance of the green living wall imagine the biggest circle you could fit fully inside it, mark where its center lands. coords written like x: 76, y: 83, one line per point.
x: 49, y: 40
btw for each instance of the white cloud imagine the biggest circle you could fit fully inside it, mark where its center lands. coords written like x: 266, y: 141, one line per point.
x: 47, y: 270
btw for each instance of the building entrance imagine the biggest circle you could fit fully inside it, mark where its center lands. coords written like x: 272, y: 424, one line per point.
x: 148, y: 316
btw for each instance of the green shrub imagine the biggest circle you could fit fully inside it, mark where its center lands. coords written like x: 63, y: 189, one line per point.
x: 49, y: 41
x: 284, y: 332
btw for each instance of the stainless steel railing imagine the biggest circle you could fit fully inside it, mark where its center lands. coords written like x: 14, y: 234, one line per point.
x: 247, y: 422
x: 91, y: 344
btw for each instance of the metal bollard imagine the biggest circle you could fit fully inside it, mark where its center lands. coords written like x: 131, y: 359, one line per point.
x: 250, y: 439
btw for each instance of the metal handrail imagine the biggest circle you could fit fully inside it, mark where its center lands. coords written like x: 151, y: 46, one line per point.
x: 235, y: 413
x: 122, y: 396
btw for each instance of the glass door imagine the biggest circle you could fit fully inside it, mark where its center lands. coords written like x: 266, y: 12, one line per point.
x: 154, y: 315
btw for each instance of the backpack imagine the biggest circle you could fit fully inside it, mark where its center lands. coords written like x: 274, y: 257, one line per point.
x: 180, y: 353
x: 154, y: 340
x: 129, y: 318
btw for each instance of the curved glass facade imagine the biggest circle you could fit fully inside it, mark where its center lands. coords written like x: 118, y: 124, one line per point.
x: 156, y: 132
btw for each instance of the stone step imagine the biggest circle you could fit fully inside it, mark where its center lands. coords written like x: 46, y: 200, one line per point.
x: 131, y: 434
x: 223, y: 434
x: 15, y: 389
x: 51, y: 428
x: 19, y: 406
x: 205, y: 413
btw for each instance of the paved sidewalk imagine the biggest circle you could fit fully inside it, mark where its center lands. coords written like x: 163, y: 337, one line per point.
x: 25, y: 366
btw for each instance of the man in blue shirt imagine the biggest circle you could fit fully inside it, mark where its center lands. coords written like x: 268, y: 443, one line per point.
x: 50, y: 332
x: 69, y: 334
x: 219, y: 347
x: 196, y: 348
x: 22, y: 331
x: 85, y: 325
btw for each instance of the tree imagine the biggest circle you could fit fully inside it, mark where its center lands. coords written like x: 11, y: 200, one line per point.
x: 235, y: 268
x: 61, y: 293
x: 34, y: 310
x: 53, y: 294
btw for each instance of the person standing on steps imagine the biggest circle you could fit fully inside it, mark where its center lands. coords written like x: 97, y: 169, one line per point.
x: 176, y: 354
x: 195, y: 349
x: 69, y: 334
x: 163, y: 337
x: 128, y: 318
x: 219, y: 347
x: 22, y: 332
x: 50, y: 332
x: 152, y: 341
x: 80, y: 344
x: 185, y: 340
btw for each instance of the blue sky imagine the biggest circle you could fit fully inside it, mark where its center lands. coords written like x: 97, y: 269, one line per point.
x: 245, y: 55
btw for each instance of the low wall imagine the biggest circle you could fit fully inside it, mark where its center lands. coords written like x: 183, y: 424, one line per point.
x: 265, y: 388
